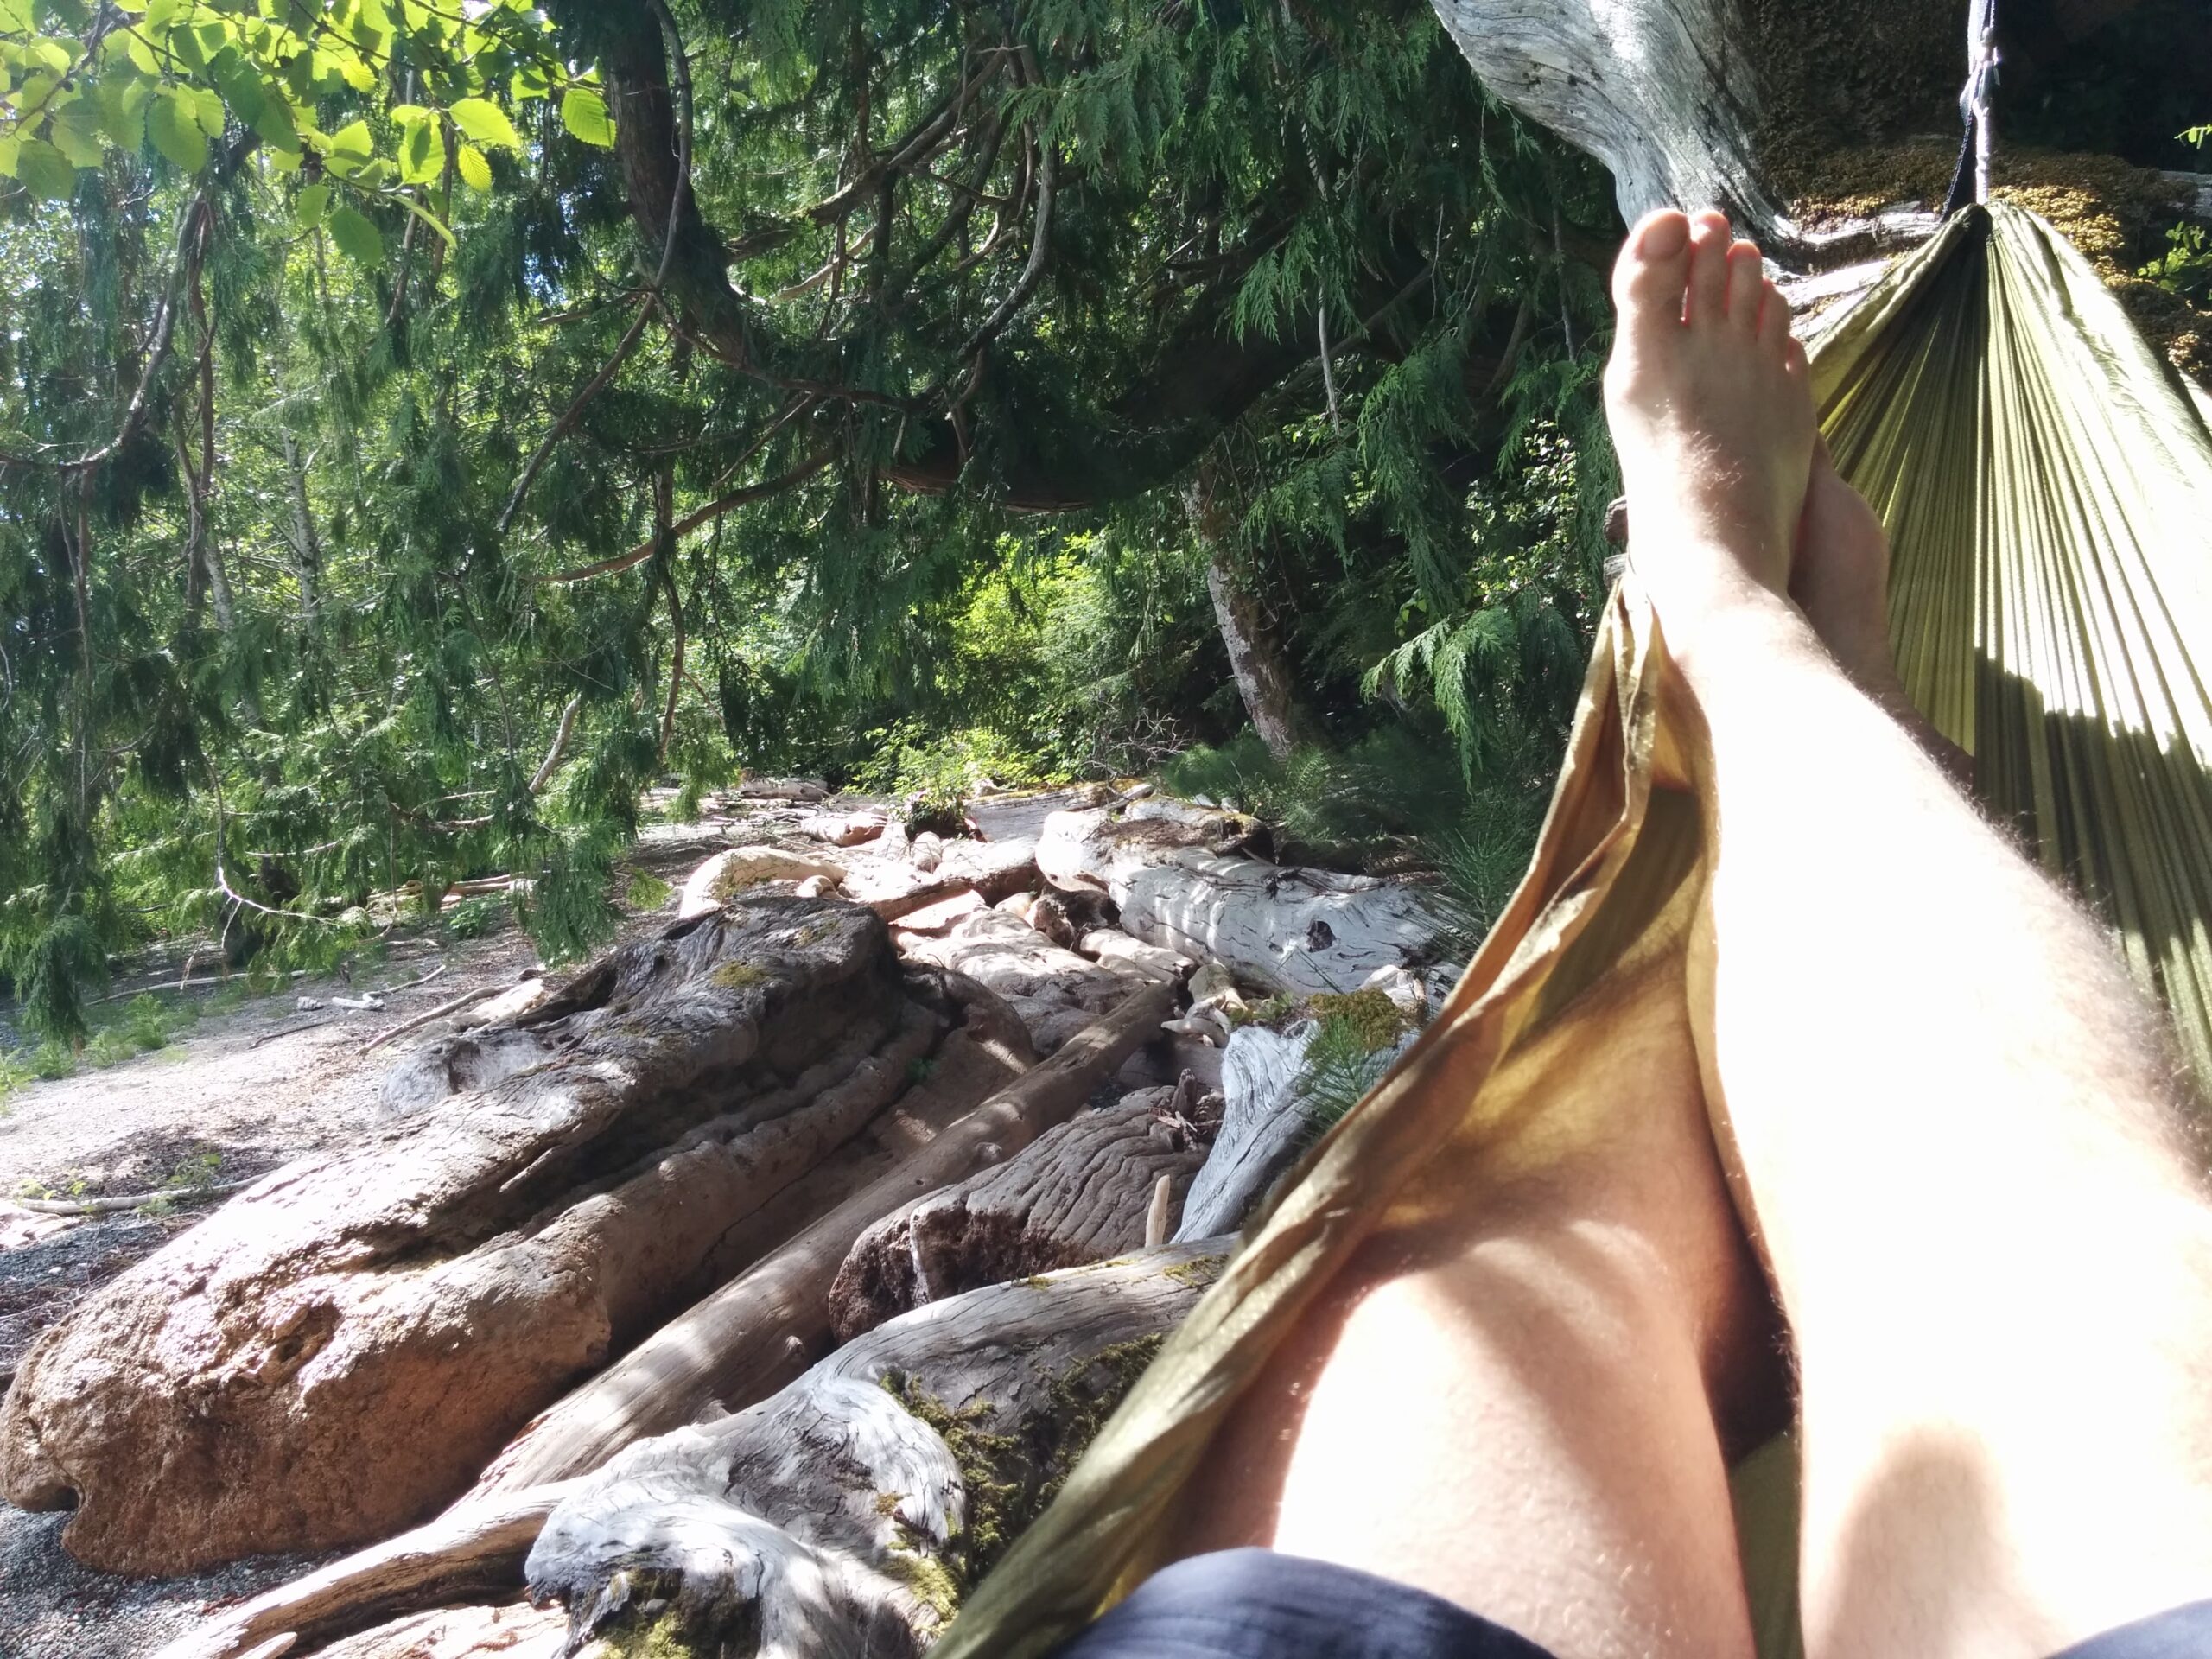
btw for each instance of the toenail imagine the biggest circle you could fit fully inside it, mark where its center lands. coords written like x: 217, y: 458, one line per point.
x: 1664, y: 236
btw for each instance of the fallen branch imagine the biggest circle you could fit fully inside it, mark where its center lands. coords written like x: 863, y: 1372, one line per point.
x: 454, y: 1005
x: 410, y: 984
x: 638, y: 555
x: 471, y: 1548
x: 122, y: 1201
x: 286, y: 1031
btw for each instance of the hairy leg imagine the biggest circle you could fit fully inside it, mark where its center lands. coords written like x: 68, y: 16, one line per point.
x: 1951, y: 1109
x: 1503, y: 1399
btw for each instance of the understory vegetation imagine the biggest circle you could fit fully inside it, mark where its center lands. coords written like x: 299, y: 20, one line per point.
x: 421, y: 432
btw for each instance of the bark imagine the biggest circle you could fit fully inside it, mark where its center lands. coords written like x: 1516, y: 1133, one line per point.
x: 1056, y: 992
x: 346, y: 1344
x: 1256, y: 657
x: 758, y: 1331
x: 850, y: 1513
x: 517, y: 1630
x: 1078, y: 1193
x: 1296, y: 929
x: 307, y: 546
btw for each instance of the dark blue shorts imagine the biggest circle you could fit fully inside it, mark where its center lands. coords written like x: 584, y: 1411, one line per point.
x: 1254, y: 1603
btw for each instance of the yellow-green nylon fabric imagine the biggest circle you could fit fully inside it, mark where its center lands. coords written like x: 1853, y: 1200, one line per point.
x: 2047, y: 484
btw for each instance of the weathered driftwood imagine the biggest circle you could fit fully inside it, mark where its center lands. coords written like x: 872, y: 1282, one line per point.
x: 727, y: 874
x: 762, y: 1328
x: 850, y: 1513
x: 1295, y: 929
x: 472, y: 1550
x: 343, y: 1347
x: 1056, y: 992
x: 516, y: 1631
x: 1262, y: 1132
x: 844, y: 828
x: 1079, y: 1192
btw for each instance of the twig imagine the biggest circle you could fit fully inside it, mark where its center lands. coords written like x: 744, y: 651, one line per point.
x: 288, y: 1031
x: 410, y: 984
x: 637, y: 556
x: 546, y: 767
x: 126, y: 1200
x: 454, y: 1006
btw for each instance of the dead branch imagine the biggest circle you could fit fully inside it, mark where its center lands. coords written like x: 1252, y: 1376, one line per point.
x: 453, y: 1005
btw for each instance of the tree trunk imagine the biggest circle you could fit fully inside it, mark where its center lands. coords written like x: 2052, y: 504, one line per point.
x: 345, y: 1345
x: 1256, y: 654
x: 1078, y: 1193
x: 307, y: 546
x: 850, y: 1514
x: 761, y: 1329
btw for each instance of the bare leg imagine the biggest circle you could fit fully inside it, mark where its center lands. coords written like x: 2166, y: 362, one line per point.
x: 1952, y: 1111
x: 1505, y: 1401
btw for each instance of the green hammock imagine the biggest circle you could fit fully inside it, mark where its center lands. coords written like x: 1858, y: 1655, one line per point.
x: 2047, y: 483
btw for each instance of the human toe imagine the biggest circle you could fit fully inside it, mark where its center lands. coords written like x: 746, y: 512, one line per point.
x: 1708, y: 279
x: 1746, y: 283
x: 1774, y: 317
x: 1650, y: 275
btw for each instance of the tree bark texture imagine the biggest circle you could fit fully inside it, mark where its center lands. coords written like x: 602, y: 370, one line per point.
x: 1078, y: 1193
x: 1256, y: 658
x: 768, y: 1323
x: 848, y: 1514
x: 345, y: 1345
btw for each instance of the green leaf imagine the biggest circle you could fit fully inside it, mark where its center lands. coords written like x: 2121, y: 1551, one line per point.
x: 45, y: 170
x: 74, y: 130
x: 475, y: 170
x: 422, y: 158
x: 123, y: 101
x: 357, y: 237
x: 310, y: 205
x: 171, y: 124
x: 207, y: 111
x: 584, y: 114
x: 349, y: 148
x: 12, y: 147
x: 428, y: 218
x: 486, y: 122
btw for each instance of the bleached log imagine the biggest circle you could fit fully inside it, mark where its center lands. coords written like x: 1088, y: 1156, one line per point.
x: 844, y: 828
x: 343, y: 1347
x: 756, y: 1332
x: 837, y: 1517
x: 1056, y: 992
x: 782, y: 789
x: 471, y: 1550
x: 1079, y: 1192
x: 727, y: 874
x: 1262, y: 1131
x: 1304, y: 930
x: 516, y: 1631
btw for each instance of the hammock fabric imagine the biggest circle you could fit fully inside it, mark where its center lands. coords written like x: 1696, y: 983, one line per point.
x: 2047, y: 484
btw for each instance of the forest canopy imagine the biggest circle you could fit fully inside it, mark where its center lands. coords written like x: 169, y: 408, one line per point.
x: 423, y: 427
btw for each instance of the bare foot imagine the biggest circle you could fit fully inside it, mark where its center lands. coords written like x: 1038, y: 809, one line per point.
x: 1841, y: 579
x: 1710, y: 416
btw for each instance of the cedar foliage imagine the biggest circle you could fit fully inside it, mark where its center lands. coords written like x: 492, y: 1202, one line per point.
x: 880, y: 454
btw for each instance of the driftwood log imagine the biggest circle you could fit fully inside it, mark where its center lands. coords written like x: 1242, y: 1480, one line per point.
x: 342, y: 1347
x: 1262, y: 1132
x: 765, y: 1326
x: 1056, y: 992
x: 1077, y: 1193
x: 1293, y: 930
x: 848, y: 1514
x: 516, y: 1631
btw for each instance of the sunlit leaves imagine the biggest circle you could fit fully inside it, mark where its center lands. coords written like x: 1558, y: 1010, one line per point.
x: 583, y: 113
x: 475, y: 170
x: 175, y: 133
x: 486, y: 122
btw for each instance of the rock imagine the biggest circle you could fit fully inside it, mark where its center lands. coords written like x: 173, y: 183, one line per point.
x: 996, y: 868
x: 307, y: 1005
x: 926, y: 851
x: 727, y: 874
x: 1077, y: 1193
x: 343, y: 1347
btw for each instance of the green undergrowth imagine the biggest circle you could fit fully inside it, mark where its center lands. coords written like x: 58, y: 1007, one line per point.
x: 140, y: 1026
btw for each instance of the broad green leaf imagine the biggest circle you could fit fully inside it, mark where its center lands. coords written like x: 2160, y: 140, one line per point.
x: 123, y: 100
x: 52, y: 54
x: 422, y: 156
x: 14, y: 15
x: 11, y: 146
x: 45, y: 170
x: 357, y: 237
x: 207, y: 111
x: 584, y: 114
x: 161, y: 13
x: 74, y: 130
x: 475, y: 170
x: 171, y: 124
x: 486, y: 122
x: 349, y: 148
x: 310, y: 205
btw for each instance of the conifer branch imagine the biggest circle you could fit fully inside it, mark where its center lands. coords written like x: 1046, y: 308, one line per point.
x: 638, y: 555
